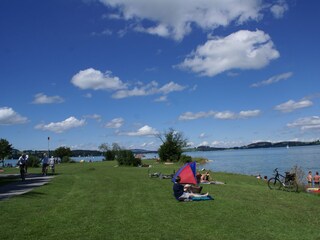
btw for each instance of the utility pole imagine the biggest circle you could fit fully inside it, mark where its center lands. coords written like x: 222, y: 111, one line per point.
x: 48, y: 147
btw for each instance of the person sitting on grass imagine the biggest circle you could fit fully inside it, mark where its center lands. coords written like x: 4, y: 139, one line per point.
x: 205, y: 177
x: 180, y: 192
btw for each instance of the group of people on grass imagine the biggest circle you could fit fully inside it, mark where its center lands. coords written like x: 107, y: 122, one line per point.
x: 183, y: 192
x: 187, y: 191
x: 313, y: 180
x: 45, y: 163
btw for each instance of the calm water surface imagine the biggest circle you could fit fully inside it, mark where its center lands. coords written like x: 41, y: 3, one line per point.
x: 261, y: 161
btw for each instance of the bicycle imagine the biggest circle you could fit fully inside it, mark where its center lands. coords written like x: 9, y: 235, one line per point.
x: 287, y: 182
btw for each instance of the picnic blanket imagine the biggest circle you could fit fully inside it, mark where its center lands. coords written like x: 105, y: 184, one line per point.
x: 213, y: 182
x: 203, y: 198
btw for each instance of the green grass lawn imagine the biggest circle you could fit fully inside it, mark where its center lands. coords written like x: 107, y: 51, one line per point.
x: 100, y: 201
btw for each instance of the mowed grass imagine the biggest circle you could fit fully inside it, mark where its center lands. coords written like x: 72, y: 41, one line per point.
x: 100, y: 201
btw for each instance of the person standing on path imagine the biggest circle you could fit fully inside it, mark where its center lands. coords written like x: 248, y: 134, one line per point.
x: 26, y: 166
x: 45, y: 163
x: 51, y: 164
x: 22, y: 166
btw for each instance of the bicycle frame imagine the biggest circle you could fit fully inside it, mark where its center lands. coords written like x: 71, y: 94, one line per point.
x: 279, y: 181
x: 279, y: 177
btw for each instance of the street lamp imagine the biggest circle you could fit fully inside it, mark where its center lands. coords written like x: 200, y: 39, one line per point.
x: 48, y: 147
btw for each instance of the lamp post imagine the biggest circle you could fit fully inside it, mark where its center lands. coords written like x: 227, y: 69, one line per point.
x: 48, y: 147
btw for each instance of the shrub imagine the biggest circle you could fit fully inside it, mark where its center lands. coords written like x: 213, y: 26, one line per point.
x: 66, y: 159
x: 33, y: 161
x: 126, y: 158
x: 299, y: 174
x: 185, y: 159
x: 109, y: 155
x: 200, y: 160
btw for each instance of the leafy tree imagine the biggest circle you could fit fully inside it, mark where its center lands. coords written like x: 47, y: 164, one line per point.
x: 63, y: 153
x: 172, y: 144
x: 109, y: 154
x: 5, y: 149
x: 116, y: 147
x: 126, y: 158
x: 103, y: 147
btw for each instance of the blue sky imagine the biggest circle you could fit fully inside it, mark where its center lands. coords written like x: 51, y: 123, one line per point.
x: 224, y: 73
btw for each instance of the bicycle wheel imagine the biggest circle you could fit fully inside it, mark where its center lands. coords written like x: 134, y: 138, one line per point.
x: 291, y: 186
x: 274, y: 183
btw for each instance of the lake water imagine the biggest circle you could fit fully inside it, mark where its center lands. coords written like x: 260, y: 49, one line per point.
x: 250, y: 161
x: 260, y: 161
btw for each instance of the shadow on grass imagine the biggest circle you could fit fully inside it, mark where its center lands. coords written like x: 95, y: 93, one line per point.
x: 32, y: 194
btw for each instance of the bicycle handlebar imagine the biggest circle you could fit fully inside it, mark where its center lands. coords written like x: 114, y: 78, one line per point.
x: 275, y: 170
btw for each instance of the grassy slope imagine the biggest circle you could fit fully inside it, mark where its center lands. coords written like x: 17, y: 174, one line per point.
x: 100, y: 201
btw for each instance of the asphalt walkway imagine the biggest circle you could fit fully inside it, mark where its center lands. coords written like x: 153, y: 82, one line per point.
x: 19, y: 187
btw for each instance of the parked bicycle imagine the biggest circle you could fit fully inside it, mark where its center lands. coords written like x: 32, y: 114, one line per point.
x: 287, y: 182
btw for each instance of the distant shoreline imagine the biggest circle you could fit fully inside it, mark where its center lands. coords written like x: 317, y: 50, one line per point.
x: 256, y: 145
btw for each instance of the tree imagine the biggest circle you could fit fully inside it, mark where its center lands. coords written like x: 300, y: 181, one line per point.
x: 103, y: 147
x: 5, y: 149
x: 63, y: 153
x: 126, y: 158
x: 109, y: 154
x: 172, y: 144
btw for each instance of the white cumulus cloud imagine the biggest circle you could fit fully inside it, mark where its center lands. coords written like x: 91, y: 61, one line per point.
x: 148, y: 89
x: 9, y: 117
x: 161, y: 99
x: 41, y: 98
x: 96, y: 117
x: 143, y: 131
x: 224, y: 115
x: 115, y: 123
x: 240, y: 50
x: 307, y: 123
x: 292, y: 105
x: 96, y: 80
x: 175, y: 19
x: 249, y: 113
x: 273, y: 79
x: 279, y: 9
x: 59, y: 127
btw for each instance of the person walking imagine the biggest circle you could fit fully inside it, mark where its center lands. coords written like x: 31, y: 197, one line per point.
x: 52, y: 164
x: 22, y: 166
x: 45, y: 163
x: 26, y: 165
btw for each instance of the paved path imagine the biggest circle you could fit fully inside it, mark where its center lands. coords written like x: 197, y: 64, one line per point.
x: 19, y: 187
